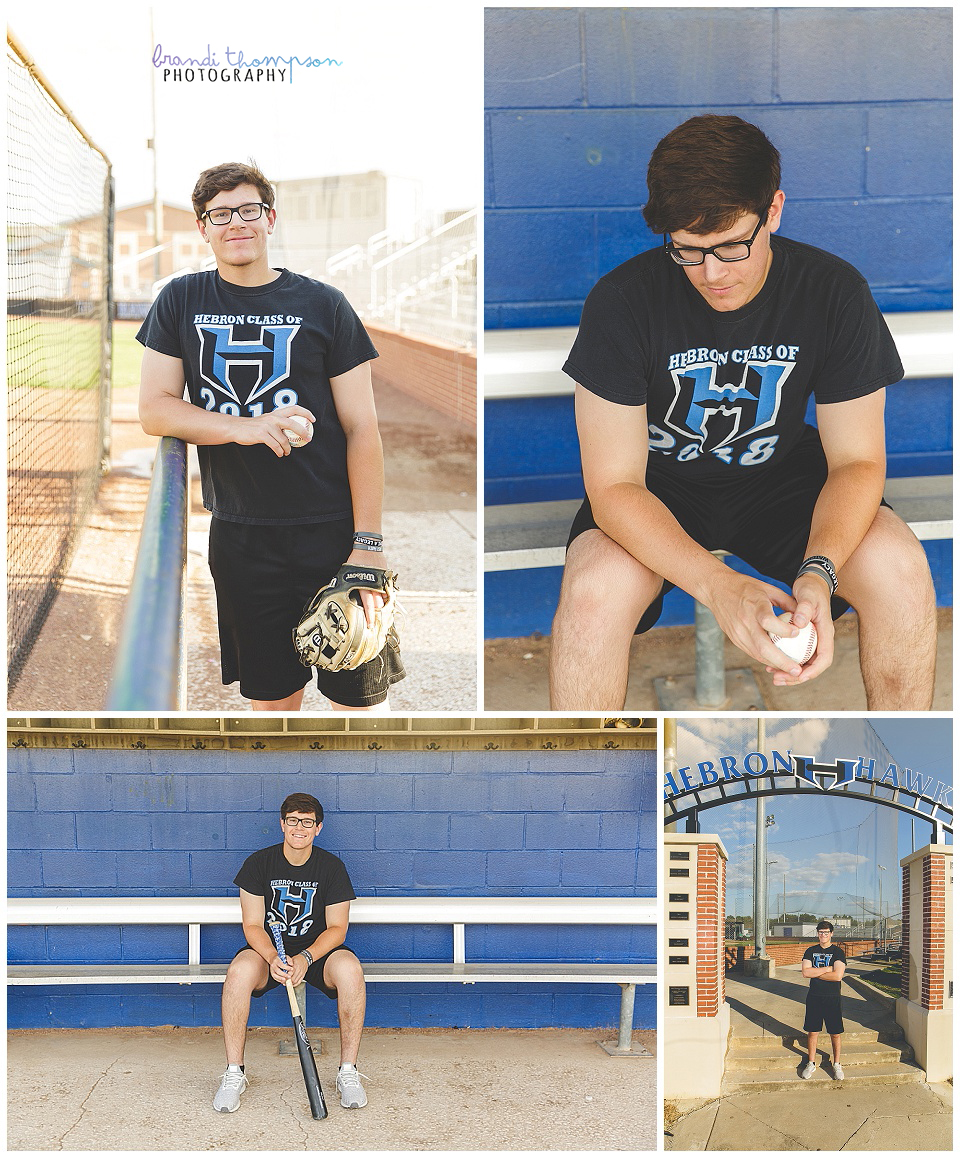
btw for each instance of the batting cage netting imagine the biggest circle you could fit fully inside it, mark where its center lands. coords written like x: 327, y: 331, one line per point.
x: 831, y: 857
x: 59, y: 243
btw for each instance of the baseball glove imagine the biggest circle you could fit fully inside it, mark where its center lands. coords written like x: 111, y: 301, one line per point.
x: 333, y: 634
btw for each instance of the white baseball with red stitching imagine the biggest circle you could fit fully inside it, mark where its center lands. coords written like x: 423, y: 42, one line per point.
x: 796, y: 647
x: 301, y: 434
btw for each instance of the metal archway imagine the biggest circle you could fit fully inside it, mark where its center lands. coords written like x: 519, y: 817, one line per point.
x: 803, y: 776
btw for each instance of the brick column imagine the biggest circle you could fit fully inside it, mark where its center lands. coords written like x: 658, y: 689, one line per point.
x: 710, y: 919
x: 696, y: 1016
x: 925, y: 1005
x: 934, y: 932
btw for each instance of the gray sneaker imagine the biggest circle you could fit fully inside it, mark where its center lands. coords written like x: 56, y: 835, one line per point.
x: 352, y: 1094
x: 809, y: 1070
x: 837, y: 1072
x: 232, y: 1085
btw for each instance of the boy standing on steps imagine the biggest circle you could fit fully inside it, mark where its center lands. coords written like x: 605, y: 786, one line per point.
x: 824, y: 964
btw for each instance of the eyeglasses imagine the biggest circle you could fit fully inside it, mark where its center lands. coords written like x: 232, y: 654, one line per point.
x: 728, y: 251
x: 224, y: 216
x: 293, y: 821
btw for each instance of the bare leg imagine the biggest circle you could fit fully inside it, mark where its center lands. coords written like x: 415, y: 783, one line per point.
x: 887, y: 580
x: 812, y: 1046
x: 382, y: 707
x: 604, y: 593
x: 344, y: 973
x: 247, y: 971
x: 288, y: 704
x: 836, y: 1040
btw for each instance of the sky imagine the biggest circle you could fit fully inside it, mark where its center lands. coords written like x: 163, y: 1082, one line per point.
x: 822, y: 849
x: 404, y: 98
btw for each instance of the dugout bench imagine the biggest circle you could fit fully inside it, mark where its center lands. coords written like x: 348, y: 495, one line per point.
x: 457, y: 912
x: 521, y: 535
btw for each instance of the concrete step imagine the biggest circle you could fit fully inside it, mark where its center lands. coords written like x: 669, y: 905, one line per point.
x: 762, y: 1056
x: 748, y: 1041
x: 788, y: 1077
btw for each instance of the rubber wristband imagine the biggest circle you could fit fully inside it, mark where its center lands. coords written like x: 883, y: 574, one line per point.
x: 358, y: 546
x: 309, y: 956
x: 368, y: 541
x: 823, y: 566
x: 819, y: 572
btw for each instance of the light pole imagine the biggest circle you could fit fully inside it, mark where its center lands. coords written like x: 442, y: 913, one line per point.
x: 883, y: 921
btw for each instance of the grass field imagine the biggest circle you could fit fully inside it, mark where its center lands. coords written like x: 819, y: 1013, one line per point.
x: 64, y: 353
x: 127, y: 353
x: 53, y: 353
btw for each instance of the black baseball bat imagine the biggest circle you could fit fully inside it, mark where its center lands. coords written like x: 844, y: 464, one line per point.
x: 311, y: 1079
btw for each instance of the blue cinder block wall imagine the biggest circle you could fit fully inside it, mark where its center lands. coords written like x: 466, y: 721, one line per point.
x: 858, y: 100
x: 150, y: 823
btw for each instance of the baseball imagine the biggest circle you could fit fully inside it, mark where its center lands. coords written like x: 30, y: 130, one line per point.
x: 303, y: 432
x: 798, y: 647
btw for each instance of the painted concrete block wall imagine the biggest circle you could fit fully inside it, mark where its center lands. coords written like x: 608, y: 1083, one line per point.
x: 858, y: 101
x: 151, y: 823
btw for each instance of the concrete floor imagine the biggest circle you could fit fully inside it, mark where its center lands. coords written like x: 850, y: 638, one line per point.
x: 151, y: 1089
x: 819, y: 1115
x: 515, y: 672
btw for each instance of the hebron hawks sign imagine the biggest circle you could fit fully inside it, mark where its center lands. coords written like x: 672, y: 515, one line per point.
x: 708, y: 783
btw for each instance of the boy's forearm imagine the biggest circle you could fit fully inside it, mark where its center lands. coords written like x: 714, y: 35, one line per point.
x: 365, y: 475
x: 182, y: 419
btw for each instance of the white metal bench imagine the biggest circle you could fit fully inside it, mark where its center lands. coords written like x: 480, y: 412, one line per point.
x: 457, y: 912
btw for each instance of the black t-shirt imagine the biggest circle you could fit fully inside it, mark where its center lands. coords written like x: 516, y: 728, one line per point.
x: 824, y: 959
x: 248, y: 350
x: 296, y: 896
x: 727, y: 392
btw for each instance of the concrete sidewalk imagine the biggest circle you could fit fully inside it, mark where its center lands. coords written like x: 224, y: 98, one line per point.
x: 151, y: 1089
x: 819, y: 1114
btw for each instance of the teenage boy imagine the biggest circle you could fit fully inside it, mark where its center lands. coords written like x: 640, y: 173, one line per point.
x: 308, y: 892
x: 694, y: 364
x: 824, y: 964
x: 259, y: 350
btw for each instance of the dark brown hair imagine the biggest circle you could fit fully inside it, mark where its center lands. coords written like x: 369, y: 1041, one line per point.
x: 223, y: 178
x: 707, y: 173
x: 301, y: 802
x: 824, y: 925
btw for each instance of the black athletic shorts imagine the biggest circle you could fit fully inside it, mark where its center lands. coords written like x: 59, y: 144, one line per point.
x: 313, y: 975
x: 264, y: 577
x: 763, y: 519
x: 823, y: 1010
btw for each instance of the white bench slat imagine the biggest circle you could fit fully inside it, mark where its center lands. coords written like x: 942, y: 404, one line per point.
x: 526, y: 363
x: 385, y: 971
x: 364, y: 910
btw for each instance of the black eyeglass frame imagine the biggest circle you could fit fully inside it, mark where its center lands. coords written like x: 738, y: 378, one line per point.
x: 246, y: 205
x: 671, y: 248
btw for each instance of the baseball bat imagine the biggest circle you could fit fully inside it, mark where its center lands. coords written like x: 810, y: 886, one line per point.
x: 311, y: 1079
